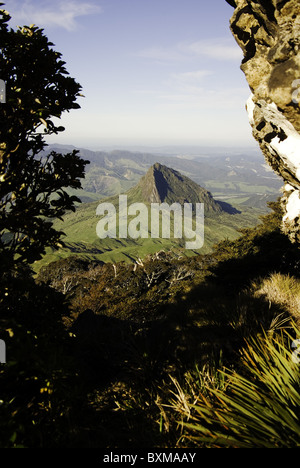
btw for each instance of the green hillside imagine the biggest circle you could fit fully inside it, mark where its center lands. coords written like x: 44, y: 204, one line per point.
x: 160, y: 184
x: 228, y: 175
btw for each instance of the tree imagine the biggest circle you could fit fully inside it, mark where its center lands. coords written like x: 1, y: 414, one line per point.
x: 33, y: 186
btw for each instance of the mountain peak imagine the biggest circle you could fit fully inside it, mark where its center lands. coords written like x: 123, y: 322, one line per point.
x: 162, y: 184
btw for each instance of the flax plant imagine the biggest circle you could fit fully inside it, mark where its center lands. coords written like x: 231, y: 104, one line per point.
x: 258, y: 407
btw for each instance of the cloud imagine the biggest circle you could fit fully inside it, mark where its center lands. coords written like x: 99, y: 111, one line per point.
x: 46, y: 13
x: 205, y: 100
x: 199, y: 90
x: 187, y: 82
x: 176, y: 85
x: 216, y: 49
x: 160, y: 54
x: 182, y: 93
x: 189, y: 78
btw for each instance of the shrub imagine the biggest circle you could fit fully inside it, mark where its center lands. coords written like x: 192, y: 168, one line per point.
x: 259, y: 406
x: 283, y: 290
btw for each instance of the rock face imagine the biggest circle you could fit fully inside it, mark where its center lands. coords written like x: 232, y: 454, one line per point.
x: 268, y: 31
x: 161, y: 184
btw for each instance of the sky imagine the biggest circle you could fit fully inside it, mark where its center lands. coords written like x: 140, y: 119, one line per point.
x: 153, y: 72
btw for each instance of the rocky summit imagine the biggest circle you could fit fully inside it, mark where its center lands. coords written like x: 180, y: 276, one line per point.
x: 161, y: 184
x: 268, y: 32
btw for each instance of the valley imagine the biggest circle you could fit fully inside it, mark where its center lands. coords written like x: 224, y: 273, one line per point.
x: 229, y: 175
x: 235, y: 190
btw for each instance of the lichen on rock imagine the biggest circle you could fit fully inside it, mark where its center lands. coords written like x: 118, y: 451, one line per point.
x: 268, y: 32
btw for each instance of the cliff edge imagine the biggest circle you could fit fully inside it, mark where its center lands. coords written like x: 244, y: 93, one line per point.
x: 268, y: 32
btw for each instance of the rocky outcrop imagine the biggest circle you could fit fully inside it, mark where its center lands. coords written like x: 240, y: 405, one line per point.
x: 161, y: 184
x: 268, y: 31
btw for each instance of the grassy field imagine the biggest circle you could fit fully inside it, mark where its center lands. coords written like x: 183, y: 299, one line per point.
x: 248, y: 201
x: 81, y: 238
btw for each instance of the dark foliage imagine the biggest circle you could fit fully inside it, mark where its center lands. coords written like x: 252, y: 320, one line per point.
x: 33, y: 188
x: 91, y: 346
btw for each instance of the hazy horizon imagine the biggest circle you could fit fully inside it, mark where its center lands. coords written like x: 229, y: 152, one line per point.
x: 184, y: 149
